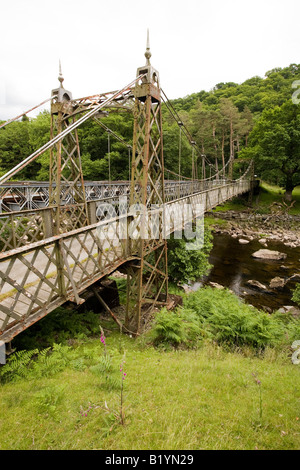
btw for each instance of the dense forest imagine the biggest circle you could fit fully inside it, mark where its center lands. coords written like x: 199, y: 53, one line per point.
x: 257, y: 119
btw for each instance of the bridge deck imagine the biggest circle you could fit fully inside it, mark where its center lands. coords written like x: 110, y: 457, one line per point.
x: 38, y: 277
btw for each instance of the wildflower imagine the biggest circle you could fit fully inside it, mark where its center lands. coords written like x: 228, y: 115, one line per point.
x: 102, y: 339
x: 256, y: 379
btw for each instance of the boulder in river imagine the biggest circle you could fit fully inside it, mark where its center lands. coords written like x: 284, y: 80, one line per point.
x: 269, y: 254
x: 243, y: 241
x: 216, y: 285
x: 256, y: 284
x: 277, y: 283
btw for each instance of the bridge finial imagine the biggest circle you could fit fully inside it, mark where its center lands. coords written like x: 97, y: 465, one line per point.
x: 60, y: 93
x: 148, y: 53
x: 150, y: 75
x: 60, y: 76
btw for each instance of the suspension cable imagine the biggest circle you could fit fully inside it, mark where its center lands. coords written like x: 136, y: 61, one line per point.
x: 176, y: 117
x: 108, y: 130
x: 108, y: 149
x: 112, y: 132
x: 26, y: 112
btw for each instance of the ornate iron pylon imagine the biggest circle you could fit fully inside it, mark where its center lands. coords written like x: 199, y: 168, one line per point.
x: 147, y: 275
x: 65, y: 173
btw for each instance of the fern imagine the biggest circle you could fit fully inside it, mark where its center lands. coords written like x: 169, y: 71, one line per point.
x: 103, y: 366
x: 17, y: 365
x: 176, y: 328
x: 221, y: 316
x: 296, y: 294
x: 35, y: 363
x: 232, y: 322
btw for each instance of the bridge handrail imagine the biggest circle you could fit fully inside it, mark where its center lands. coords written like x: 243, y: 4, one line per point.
x: 32, y: 224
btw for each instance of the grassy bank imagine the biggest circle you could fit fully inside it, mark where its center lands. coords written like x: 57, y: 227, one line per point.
x: 201, y: 399
x: 268, y: 195
x: 212, y: 395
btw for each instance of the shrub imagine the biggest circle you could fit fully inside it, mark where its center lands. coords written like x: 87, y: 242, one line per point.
x: 58, y: 327
x: 189, y: 265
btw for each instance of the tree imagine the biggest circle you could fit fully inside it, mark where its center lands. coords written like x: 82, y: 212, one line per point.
x: 247, y: 123
x: 171, y: 140
x: 39, y: 135
x: 230, y: 114
x: 15, y: 147
x: 274, y: 144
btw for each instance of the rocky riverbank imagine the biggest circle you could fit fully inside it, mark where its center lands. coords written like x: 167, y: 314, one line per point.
x: 257, y: 257
x: 247, y: 226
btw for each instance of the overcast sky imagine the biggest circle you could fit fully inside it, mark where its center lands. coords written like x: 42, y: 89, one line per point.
x: 195, y: 44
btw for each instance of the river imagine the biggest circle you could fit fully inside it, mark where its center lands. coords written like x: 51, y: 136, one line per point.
x: 233, y: 266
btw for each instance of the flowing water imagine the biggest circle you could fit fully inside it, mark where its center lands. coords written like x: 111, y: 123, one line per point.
x: 233, y: 266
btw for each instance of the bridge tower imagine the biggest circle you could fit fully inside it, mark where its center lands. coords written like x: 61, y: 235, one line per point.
x: 147, y: 275
x: 66, y: 189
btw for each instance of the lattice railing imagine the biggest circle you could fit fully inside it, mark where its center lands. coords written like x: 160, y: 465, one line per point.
x: 18, y: 196
x: 26, y: 227
x: 22, y: 228
x: 36, y: 278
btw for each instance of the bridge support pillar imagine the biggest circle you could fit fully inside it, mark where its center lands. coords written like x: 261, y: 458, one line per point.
x: 65, y: 173
x: 147, y: 275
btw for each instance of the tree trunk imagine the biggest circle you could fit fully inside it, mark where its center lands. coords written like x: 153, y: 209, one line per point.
x: 289, y: 186
x: 223, y: 155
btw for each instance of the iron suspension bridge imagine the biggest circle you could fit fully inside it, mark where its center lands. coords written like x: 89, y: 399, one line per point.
x: 59, y: 238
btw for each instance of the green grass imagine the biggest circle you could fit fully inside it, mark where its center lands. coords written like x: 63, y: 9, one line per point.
x: 197, y: 399
x: 200, y: 395
x: 213, y: 222
x: 235, y: 204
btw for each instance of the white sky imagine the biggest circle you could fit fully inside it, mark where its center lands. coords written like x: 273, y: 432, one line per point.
x: 195, y: 44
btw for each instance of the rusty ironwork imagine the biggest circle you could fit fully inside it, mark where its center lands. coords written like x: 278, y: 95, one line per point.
x: 147, y: 189
x: 24, y: 195
x: 65, y: 165
x: 24, y: 113
x: 106, y: 102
